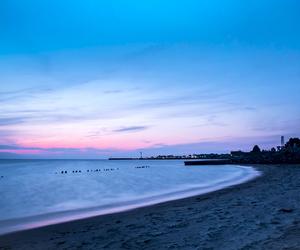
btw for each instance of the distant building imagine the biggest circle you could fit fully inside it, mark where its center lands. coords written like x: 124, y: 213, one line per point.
x: 282, y: 141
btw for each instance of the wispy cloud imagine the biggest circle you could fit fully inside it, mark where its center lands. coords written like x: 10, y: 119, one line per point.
x: 279, y: 126
x: 11, y: 120
x: 15, y: 147
x: 21, y: 94
x: 34, y: 152
x: 131, y: 129
x: 113, y: 91
x: 154, y: 96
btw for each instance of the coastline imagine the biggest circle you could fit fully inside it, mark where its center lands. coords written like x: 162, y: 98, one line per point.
x: 42, y: 220
x: 261, y: 213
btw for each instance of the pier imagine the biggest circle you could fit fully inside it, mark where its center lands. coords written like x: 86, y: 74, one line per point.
x: 208, y: 162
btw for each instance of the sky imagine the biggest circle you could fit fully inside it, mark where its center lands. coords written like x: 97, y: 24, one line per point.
x: 96, y: 79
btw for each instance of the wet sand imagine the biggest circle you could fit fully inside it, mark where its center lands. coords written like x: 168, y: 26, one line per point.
x: 261, y: 214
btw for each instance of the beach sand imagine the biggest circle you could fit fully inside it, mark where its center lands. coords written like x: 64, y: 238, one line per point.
x: 261, y: 214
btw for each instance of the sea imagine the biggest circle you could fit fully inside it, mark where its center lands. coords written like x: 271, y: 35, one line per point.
x: 36, y: 193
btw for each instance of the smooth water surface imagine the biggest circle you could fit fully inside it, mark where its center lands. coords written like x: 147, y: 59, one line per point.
x: 39, y: 192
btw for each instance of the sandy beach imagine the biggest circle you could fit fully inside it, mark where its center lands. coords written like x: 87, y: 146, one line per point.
x: 261, y: 214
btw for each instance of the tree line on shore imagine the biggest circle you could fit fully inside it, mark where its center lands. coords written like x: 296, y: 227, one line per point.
x: 289, y: 153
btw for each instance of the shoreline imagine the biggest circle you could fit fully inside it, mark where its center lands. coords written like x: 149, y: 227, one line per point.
x: 38, y: 221
x: 254, y: 214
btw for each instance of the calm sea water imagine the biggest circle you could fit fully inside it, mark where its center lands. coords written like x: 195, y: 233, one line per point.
x: 38, y: 193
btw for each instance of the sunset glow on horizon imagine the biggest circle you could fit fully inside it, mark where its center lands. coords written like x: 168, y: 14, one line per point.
x: 97, y: 79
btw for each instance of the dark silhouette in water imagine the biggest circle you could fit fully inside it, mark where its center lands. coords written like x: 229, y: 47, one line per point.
x: 88, y: 170
x: 142, y: 167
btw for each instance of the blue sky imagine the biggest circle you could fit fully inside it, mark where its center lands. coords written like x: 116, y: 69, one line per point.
x: 106, y: 78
